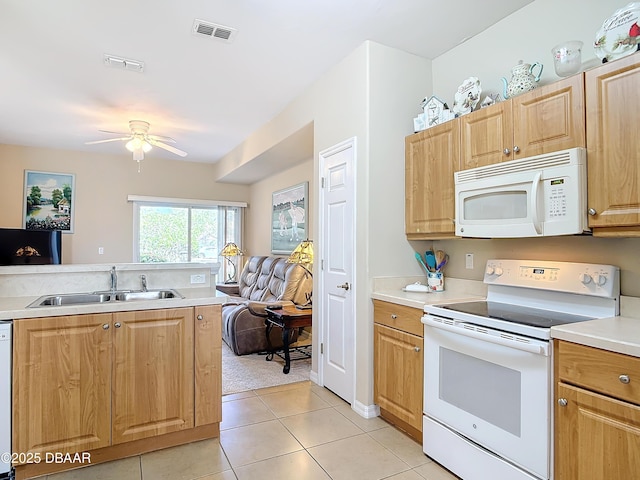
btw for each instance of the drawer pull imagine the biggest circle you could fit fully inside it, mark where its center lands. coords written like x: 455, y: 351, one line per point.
x: 394, y: 316
x: 624, y: 378
x: 562, y: 402
x: 416, y: 349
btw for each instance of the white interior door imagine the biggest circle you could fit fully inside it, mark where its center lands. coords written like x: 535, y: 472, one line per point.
x: 337, y: 314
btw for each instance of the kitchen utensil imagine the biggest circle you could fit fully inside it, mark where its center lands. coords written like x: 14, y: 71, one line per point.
x: 522, y: 79
x: 419, y: 258
x: 443, y: 263
x: 567, y: 58
x: 439, y: 257
x: 431, y: 260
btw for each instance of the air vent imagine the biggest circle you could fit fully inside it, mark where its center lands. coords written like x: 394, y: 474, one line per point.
x: 214, y: 30
x: 124, y: 63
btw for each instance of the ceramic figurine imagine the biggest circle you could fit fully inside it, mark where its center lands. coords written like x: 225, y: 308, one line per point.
x: 522, y: 79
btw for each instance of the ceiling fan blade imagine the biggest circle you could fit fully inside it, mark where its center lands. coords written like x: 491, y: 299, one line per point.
x: 108, y: 140
x: 114, y: 133
x: 169, y: 148
x: 161, y: 138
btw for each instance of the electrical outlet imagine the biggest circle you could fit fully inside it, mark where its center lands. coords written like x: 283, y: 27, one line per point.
x: 198, y: 278
x: 468, y: 261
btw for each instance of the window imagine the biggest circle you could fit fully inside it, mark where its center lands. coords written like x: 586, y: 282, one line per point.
x: 172, y: 230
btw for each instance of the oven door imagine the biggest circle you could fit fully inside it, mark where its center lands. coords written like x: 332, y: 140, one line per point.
x: 492, y: 388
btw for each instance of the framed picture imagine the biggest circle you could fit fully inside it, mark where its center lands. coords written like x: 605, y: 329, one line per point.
x: 48, y: 201
x: 289, y: 218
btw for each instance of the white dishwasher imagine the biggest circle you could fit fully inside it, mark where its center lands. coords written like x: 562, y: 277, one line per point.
x: 5, y: 398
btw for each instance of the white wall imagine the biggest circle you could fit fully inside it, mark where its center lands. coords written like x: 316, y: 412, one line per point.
x: 529, y: 35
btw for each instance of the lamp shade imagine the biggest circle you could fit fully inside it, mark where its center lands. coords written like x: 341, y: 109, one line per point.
x: 303, y: 254
x: 231, y: 250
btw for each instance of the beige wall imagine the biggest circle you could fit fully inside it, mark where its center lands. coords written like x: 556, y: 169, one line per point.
x: 103, y: 217
x: 258, y: 223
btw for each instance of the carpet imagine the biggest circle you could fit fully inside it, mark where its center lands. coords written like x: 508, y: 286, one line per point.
x: 250, y: 372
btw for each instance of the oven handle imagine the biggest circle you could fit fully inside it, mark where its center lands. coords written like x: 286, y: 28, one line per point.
x: 525, y: 347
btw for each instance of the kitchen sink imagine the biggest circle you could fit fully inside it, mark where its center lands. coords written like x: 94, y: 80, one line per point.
x: 147, y: 295
x: 102, y: 297
x: 70, y: 299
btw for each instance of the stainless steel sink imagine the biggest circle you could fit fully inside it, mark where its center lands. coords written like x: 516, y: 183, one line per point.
x: 102, y: 297
x: 147, y: 295
x: 70, y: 299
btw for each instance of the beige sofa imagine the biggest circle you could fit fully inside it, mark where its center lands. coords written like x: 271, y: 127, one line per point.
x: 264, y: 281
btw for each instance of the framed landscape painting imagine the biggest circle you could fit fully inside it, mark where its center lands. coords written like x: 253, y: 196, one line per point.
x: 48, y: 201
x: 289, y: 218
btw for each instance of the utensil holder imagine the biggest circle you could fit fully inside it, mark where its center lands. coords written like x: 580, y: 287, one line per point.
x: 435, y: 281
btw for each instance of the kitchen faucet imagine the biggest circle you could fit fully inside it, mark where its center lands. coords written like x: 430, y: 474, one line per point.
x: 143, y: 280
x: 114, y: 279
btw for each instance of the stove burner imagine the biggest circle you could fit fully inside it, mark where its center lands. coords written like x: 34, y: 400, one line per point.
x: 534, y: 317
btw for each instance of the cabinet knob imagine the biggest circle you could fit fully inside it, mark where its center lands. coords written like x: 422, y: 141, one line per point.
x: 506, y: 151
x: 117, y: 324
x: 199, y: 317
x: 592, y: 211
x: 562, y: 402
x: 416, y: 349
x: 624, y: 378
x: 394, y: 316
x: 516, y: 149
x: 105, y: 326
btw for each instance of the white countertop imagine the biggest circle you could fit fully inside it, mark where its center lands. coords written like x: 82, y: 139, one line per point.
x: 12, y: 308
x: 617, y: 334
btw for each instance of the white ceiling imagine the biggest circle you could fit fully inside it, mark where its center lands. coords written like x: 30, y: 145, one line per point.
x: 207, y: 94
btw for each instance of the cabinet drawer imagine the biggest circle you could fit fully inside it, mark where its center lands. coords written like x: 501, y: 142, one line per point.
x: 397, y: 316
x: 599, y: 370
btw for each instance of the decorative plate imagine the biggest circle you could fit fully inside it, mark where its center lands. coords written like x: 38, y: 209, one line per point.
x: 620, y: 34
x: 467, y: 96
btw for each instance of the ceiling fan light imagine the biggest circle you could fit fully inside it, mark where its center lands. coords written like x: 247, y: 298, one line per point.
x: 138, y: 144
x: 138, y: 154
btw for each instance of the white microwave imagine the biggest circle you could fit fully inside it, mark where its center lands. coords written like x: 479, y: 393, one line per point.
x: 539, y: 196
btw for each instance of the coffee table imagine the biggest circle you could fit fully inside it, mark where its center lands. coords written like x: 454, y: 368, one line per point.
x: 287, y: 318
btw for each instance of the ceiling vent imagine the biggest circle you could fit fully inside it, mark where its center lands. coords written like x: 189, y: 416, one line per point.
x: 214, y: 30
x: 124, y: 63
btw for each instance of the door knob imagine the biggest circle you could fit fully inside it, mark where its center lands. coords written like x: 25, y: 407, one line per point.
x: 516, y: 149
x: 562, y: 402
x: 199, y: 317
x: 506, y: 151
x: 117, y: 325
x: 624, y: 378
x: 345, y: 285
x: 592, y: 211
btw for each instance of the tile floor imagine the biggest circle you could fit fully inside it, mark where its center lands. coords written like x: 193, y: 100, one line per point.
x: 292, y: 431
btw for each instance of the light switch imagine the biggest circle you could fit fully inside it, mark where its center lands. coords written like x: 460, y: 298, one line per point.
x: 468, y: 261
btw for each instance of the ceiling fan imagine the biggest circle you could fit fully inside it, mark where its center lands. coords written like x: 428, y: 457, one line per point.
x: 139, y: 141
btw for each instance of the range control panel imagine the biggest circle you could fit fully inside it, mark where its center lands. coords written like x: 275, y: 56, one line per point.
x: 583, y: 278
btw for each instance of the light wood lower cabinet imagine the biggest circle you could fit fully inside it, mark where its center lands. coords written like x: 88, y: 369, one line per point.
x: 597, y: 414
x: 398, y: 366
x: 116, y: 381
x: 62, y: 384
x: 152, y: 373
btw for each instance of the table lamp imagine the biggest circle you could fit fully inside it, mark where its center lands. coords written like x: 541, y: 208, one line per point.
x: 303, y: 256
x: 231, y: 250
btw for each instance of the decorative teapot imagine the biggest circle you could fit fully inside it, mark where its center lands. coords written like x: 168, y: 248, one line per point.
x: 523, y: 79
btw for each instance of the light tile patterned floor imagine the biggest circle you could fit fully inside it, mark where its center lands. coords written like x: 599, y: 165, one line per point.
x: 289, y: 432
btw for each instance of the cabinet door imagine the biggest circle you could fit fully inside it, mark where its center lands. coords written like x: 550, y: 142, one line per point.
x: 62, y: 384
x: 485, y: 134
x: 596, y: 437
x: 208, y: 364
x: 431, y: 158
x: 549, y: 118
x: 153, y: 376
x: 613, y: 146
x: 398, y: 374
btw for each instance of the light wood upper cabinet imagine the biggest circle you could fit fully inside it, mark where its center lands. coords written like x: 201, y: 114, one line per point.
x: 544, y: 120
x: 153, y: 373
x: 208, y: 369
x: 431, y: 158
x: 398, y: 365
x: 597, y: 417
x: 614, y: 148
x: 62, y: 384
